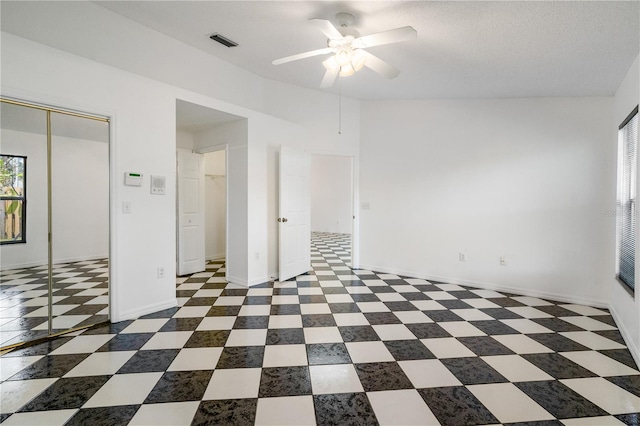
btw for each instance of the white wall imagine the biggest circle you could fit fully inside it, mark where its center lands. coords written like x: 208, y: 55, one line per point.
x: 331, y: 201
x: 80, y: 200
x: 624, y: 306
x: 144, y: 139
x: 193, y: 76
x: 215, y: 216
x: 184, y: 140
x: 521, y: 178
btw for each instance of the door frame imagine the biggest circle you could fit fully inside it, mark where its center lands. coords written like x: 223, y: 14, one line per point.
x: 225, y: 148
x: 355, y: 197
x: 67, y: 106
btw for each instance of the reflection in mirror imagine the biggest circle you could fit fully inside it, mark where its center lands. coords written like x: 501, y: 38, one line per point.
x: 80, y: 221
x: 24, y: 293
x: 54, y: 222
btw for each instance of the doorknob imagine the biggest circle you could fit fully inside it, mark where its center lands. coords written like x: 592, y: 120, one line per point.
x: 282, y: 219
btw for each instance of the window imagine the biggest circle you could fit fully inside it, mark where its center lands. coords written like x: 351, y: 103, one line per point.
x: 13, y: 199
x: 626, y: 217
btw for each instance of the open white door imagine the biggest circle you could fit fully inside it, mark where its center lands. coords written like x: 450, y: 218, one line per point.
x: 295, y: 213
x: 190, y: 213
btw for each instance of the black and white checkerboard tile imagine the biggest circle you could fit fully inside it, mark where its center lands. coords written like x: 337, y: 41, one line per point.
x: 335, y: 346
x: 80, y: 297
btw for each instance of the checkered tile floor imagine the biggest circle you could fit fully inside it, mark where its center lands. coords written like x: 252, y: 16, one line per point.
x: 335, y: 346
x: 80, y: 297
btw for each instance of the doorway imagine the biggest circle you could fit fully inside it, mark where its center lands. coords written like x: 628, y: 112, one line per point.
x: 212, y: 137
x: 215, y: 211
x: 332, y: 207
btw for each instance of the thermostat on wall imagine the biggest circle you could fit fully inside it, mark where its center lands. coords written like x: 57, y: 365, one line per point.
x: 158, y: 185
x: 132, y: 179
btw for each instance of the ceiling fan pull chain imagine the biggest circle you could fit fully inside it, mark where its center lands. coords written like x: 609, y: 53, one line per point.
x: 339, y: 105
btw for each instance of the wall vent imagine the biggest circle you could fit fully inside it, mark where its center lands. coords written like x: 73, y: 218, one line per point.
x: 223, y: 40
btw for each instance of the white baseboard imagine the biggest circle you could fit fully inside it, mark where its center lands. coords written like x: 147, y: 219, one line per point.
x: 216, y: 257
x: 246, y: 283
x: 633, y: 348
x: 144, y: 310
x: 558, y: 297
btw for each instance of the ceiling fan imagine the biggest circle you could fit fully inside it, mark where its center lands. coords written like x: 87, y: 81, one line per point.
x: 349, y: 49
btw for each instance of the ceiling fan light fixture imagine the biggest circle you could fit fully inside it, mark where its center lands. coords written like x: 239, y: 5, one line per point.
x: 331, y: 64
x: 344, y: 55
x: 358, y: 60
x: 347, y: 70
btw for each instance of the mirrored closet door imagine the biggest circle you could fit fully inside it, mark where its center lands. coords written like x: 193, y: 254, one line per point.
x: 54, y: 221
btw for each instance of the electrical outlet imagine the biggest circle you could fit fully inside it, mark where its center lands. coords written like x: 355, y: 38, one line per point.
x: 503, y: 260
x: 161, y: 272
x: 463, y: 257
x: 257, y: 255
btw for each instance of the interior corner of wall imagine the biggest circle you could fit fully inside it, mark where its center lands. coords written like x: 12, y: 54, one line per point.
x: 632, y: 344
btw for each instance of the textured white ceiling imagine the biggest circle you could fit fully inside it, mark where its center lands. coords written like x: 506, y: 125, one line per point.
x: 469, y: 49
x: 194, y: 118
x: 463, y: 50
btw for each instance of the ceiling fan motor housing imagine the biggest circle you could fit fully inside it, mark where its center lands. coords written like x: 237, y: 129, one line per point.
x: 344, y: 25
x: 345, y: 19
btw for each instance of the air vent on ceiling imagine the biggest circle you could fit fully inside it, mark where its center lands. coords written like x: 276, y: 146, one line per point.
x: 223, y: 40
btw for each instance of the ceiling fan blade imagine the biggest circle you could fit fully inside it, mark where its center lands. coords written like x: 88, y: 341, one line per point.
x: 381, y: 67
x: 327, y: 28
x: 385, y: 37
x: 329, y: 78
x: 303, y: 55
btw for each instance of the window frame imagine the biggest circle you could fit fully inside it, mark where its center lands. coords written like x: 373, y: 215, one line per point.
x: 631, y: 168
x: 22, y: 198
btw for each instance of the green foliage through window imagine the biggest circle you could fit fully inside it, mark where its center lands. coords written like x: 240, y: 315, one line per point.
x: 13, y: 199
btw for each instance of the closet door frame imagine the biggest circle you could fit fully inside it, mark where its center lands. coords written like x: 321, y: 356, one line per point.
x: 48, y: 109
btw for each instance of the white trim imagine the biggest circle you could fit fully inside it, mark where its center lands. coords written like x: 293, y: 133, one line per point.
x: 490, y: 286
x: 237, y: 281
x: 245, y: 283
x: 635, y: 351
x: 144, y: 310
x: 212, y: 148
x: 216, y: 148
x: 355, y: 201
x: 261, y: 280
x: 217, y: 256
x: 114, y: 267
